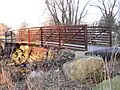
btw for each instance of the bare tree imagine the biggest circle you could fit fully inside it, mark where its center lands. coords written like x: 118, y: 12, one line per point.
x: 95, y: 23
x: 4, y: 27
x: 23, y: 25
x: 107, y: 9
x: 49, y: 21
x: 66, y: 12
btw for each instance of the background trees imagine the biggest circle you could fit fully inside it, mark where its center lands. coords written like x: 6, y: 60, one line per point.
x: 23, y: 25
x: 66, y: 12
x: 107, y: 8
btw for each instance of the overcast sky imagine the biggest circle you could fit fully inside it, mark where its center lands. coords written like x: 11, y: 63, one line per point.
x: 14, y: 12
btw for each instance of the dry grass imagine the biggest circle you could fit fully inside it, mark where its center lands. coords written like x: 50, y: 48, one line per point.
x: 55, y: 79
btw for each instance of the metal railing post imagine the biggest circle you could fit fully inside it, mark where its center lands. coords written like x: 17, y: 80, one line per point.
x: 110, y: 36
x: 11, y: 37
x: 29, y: 36
x: 41, y: 37
x: 85, y: 37
x: 59, y: 38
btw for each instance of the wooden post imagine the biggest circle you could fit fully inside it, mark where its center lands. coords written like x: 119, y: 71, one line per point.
x: 110, y: 36
x: 18, y: 35
x: 6, y: 38
x: 11, y: 37
x: 59, y: 38
x: 29, y: 36
x: 41, y: 33
x: 85, y: 37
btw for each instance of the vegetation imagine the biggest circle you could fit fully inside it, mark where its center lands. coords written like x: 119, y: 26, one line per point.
x: 66, y: 12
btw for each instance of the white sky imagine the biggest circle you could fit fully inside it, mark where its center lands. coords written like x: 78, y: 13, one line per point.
x: 14, y: 12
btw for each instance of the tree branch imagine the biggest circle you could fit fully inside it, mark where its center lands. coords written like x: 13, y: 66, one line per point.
x: 101, y: 9
x: 76, y: 12
x: 113, y: 5
x: 65, y: 11
x: 83, y: 12
x: 103, y: 3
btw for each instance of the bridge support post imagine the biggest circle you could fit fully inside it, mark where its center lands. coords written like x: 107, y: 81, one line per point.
x: 85, y: 37
x: 41, y: 37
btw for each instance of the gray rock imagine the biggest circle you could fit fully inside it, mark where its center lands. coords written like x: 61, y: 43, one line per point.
x: 83, y: 68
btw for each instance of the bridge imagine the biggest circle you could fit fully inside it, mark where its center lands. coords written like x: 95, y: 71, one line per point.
x: 76, y: 37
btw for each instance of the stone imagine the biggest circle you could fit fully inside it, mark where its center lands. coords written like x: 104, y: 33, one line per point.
x: 110, y: 84
x: 85, y: 67
x: 31, y: 54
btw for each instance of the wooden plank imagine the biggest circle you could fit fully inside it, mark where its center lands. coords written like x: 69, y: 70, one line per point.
x: 70, y: 42
x: 102, y: 39
x: 97, y: 27
x: 68, y: 35
x: 62, y: 32
x: 77, y: 43
x: 65, y: 37
x: 67, y: 29
x: 78, y: 37
x: 99, y: 36
x: 98, y: 32
x: 68, y: 47
x: 74, y: 48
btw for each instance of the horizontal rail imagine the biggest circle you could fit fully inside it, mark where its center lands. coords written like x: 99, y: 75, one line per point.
x: 70, y: 34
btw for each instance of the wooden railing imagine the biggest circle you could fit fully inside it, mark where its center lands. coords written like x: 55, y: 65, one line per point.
x: 57, y: 36
x: 99, y: 35
x: 71, y: 37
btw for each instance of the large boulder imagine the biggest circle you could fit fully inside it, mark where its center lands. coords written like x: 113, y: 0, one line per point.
x: 84, y: 68
x: 111, y: 84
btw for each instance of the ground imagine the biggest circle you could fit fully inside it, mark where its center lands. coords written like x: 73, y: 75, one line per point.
x: 51, y: 79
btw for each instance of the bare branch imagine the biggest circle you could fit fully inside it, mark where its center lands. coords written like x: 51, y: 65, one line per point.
x: 113, y: 5
x: 58, y: 5
x: 100, y: 1
x: 83, y: 16
x: 70, y: 11
x: 65, y: 11
x: 101, y: 9
x: 76, y: 12
x: 47, y: 3
x: 73, y: 11
x: 53, y: 12
x: 103, y: 3
x: 115, y: 14
x: 107, y: 9
x: 83, y: 12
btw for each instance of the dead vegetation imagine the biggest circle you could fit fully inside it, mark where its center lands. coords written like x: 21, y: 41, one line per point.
x: 6, y: 79
x: 47, y: 72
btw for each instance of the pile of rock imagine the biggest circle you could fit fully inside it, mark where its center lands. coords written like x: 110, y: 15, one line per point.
x: 31, y: 54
